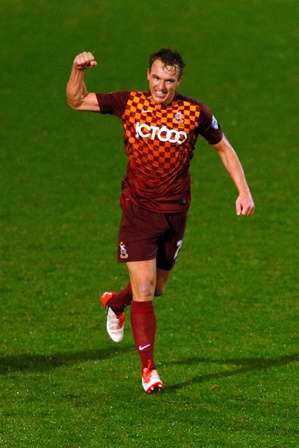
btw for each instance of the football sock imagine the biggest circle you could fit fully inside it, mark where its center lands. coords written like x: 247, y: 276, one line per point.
x: 121, y: 300
x: 143, y: 323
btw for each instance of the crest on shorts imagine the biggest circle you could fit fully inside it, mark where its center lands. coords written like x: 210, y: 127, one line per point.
x: 123, y: 251
x: 178, y: 118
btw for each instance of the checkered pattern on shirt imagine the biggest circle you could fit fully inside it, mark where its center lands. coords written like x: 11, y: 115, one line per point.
x: 155, y: 158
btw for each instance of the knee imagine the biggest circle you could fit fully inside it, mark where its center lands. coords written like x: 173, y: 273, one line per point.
x: 145, y: 291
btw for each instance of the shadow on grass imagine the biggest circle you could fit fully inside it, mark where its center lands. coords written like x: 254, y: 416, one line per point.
x: 241, y: 366
x: 45, y: 362
x: 40, y: 363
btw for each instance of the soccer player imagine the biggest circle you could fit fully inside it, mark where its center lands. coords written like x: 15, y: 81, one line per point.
x: 160, y: 128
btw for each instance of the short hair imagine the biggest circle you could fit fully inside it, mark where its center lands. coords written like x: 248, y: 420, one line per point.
x: 168, y: 57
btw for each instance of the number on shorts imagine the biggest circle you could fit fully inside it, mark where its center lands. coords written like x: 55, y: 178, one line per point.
x: 179, y: 246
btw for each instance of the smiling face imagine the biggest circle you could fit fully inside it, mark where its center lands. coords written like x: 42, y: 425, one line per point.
x: 163, y: 81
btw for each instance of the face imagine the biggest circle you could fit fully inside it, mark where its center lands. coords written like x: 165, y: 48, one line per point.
x: 163, y: 81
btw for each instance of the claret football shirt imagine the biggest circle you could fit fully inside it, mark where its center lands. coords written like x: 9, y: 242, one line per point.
x: 159, y: 142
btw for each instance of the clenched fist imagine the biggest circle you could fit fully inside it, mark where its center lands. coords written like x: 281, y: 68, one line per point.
x: 84, y: 60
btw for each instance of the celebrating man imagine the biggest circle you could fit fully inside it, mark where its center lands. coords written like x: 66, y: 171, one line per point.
x: 160, y: 127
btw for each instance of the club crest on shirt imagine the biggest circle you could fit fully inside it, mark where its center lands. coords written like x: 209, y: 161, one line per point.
x: 123, y: 251
x: 178, y: 118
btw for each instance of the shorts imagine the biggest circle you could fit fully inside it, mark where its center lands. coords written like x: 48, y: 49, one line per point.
x: 145, y: 235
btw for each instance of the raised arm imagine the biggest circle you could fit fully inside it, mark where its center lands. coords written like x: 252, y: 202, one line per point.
x: 244, y: 203
x: 78, y: 97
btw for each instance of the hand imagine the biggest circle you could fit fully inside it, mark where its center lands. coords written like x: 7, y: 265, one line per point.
x: 84, y: 60
x: 245, y: 205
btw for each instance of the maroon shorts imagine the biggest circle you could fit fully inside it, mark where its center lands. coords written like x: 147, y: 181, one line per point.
x: 144, y: 235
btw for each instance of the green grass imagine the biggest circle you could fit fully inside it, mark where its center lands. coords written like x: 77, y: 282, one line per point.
x: 227, y: 343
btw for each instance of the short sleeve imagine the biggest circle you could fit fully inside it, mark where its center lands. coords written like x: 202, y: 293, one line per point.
x: 208, y: 126
x: 113, y: 103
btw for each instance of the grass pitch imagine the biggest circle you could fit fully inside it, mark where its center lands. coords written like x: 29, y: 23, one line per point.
x: 227, y: 342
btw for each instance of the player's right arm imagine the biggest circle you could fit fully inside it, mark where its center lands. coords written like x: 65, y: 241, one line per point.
x: 78, y: 97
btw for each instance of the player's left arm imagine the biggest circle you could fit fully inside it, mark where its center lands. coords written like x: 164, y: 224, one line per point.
x: 244, y: 203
